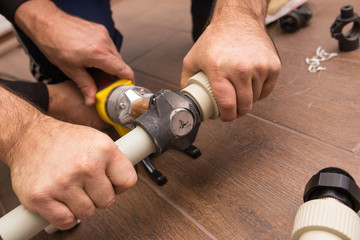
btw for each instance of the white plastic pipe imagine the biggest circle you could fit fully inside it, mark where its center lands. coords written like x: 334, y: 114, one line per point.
x: 136, y: 145
x: 21, y: 224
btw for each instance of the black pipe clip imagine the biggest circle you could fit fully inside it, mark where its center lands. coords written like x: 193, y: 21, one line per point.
x: 349, y: 40
x: 296, y: 19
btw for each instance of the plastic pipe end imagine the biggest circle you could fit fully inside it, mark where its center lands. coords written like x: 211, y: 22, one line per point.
x: 326, y: 219
x: 199, y: 90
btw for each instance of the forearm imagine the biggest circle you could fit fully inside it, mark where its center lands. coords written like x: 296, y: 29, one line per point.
x: 16, y: 117
x: 36, y: 17
x: 240, y: 10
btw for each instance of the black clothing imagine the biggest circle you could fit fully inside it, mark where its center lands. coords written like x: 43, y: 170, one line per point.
x: 8, y: 8
x: 35, y: 93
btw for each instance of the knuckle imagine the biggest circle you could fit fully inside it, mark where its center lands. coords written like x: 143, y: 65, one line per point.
x: 262, y: 66
x: 243, y: 111
x: 227, y: 105
x: 85, y: 166
x: 101, y: 28
x: 227, y: 109
x: 186, y: 63
x: 96, y: 48
x: 107, y: 202
x: 244, y: 69
x: 38, y: 196
x: 244, y: 108
x: 102, y: 34
x: 87, y: 212
x: 125, y: 185
x: 106, y: 144
x: 276, y: 66
x: 126, y: 182
x: 64, y: 221
x: 122, y: 66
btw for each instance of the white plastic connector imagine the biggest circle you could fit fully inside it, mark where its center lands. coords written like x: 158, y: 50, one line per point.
x: 199, y: 90
x: 326, y: 219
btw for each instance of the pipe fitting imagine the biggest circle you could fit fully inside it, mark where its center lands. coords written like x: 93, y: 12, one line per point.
x: 350, y: 40
x: 172, y: 120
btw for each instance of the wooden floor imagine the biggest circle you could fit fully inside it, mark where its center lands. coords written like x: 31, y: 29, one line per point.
x: 250, y: 178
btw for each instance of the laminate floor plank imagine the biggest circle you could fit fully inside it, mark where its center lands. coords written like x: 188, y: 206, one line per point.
x: 325, y: 104
x: 250, y: 178
x: 137, y: 214
x: 148, y: 24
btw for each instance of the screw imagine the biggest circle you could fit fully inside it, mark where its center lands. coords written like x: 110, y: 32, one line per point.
x: 122, y: 105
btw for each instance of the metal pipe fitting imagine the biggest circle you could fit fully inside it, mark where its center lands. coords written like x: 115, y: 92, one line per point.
x: 172, y: 120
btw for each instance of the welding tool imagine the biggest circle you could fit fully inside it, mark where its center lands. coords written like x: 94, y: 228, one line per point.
x: 331, y: 200
x: 171, y: 120
x: 119, y: 103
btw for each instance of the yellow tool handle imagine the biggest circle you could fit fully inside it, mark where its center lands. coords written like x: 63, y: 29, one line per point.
x: 100, y: 104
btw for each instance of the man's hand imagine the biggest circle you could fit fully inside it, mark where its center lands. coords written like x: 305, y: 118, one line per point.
x: 72, y: 44
x: 237, y: 55
x: 66, y: 103
x: 64, y: 172
x: 59, y: 170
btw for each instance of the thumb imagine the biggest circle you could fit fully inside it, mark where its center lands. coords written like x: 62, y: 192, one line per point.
x: 121, y: 172
x: 85, y: 83
x: 187, y: 72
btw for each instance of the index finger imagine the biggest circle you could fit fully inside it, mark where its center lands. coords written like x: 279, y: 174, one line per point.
x: 114, y: 65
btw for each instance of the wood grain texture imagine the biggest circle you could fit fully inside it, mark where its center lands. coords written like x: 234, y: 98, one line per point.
x: 250, y: 179
x: 324, y: 105
x: 138, y: 214
x: 149, y: 24
x: 155, y: 62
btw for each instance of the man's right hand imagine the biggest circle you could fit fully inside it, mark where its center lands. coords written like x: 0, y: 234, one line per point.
x: 60, y: 170
x: 72, y: 44
x: 64, y: 171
